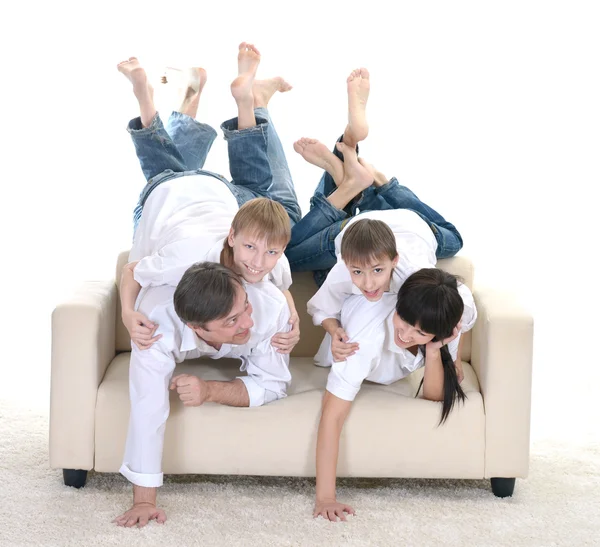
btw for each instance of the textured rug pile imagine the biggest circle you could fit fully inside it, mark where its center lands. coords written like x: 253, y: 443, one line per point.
x: 559, y: 504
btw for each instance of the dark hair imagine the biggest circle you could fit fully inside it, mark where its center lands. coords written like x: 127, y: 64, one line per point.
x: 206, y: 292
x: 430, y: 299
x: 366, y: 241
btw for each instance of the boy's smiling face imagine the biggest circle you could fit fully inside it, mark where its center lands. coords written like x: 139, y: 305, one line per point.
x: 373, y: 278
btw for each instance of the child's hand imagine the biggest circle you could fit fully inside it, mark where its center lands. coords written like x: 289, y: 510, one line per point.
x: 331, y: 510
x: 141, y: 329
x: 286, y: 341
x: 340, y: 348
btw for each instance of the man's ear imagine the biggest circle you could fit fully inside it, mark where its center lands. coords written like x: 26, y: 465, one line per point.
x: 231, y: 237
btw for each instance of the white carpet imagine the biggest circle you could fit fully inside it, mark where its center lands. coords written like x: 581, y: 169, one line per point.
x: 558, y: 505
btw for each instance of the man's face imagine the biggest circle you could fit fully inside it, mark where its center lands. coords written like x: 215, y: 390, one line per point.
x: 233, y: 328
x: 406, y: 336
x: 373, y: 279
x: 252, y: 257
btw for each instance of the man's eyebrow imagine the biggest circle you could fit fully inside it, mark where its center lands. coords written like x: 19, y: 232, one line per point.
x: 236, y: 315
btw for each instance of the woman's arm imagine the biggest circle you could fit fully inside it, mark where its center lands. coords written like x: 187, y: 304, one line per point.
x: 333, y: 416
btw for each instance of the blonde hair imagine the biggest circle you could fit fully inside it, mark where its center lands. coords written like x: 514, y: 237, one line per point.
x: 366, y: 241
x: 261, y: 218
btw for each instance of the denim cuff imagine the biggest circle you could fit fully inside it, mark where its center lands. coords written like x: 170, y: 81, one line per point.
x: 230, y: 129
x: 390, y: 184
x: 327, y: 209
x: 135, y: 125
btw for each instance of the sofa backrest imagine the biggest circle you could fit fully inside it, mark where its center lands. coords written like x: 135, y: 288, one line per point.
x: 302, y: 289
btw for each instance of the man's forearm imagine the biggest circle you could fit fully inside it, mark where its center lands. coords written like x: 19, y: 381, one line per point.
x: 232, y: 393
x: 433, y: 379
x: 142, y: 494
x: 130, y: 288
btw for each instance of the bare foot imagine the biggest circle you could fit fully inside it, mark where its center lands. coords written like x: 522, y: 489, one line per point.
x: 356, y: 176
x: 263, y: 90
x: 134, y: 72
x: 248, y: 60
x: 318, y: 154
x: 358, y: 94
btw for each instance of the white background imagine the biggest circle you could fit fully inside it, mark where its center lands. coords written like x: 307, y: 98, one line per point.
x: 488, y: 111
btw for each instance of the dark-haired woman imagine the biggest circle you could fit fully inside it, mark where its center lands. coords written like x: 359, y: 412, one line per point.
x: 398, y: 334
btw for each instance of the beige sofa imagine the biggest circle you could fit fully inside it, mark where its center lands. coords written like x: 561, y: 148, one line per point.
x: 389, y: 432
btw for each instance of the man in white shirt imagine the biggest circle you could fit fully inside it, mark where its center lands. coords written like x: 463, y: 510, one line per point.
x: 212, y: 313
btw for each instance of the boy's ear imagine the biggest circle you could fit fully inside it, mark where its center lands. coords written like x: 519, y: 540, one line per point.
x: 231, y: 237
x: 395, y: 261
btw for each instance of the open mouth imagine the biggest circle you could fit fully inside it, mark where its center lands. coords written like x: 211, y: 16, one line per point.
x: 371, y: 294
x: 252, y: 271
x: 403, y: 340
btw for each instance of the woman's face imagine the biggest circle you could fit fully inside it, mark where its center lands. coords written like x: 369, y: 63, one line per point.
x: 406, y: 336
x: 252, y: 257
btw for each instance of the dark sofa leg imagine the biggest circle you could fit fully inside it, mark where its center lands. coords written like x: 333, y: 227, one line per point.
x: 75, y: 477
x: 503, y: 488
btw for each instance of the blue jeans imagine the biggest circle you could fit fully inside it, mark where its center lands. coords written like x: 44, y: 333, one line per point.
x: 257, y: 162
x: 312, y: 247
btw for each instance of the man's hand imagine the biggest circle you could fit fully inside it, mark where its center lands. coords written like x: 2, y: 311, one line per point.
x: 141, y: 514
x: 141, y: 329
x: 340, y: 348
x: 331, y: 510
x: 193, y: 391
x: 285, y: 341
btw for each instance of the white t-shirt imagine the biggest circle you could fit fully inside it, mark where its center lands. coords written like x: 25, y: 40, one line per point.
x: 186, y: 220
x: 379, y: 359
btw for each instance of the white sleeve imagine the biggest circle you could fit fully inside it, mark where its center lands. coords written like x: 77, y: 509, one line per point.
x: 346, y: 377
x: 329, y: 299
x: 470, y: 312
x: 268, y: 372
x: 281, y: 275
x: 150, y: 372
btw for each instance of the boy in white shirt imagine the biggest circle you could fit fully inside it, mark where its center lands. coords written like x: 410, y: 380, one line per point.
x: 212, y: 313
x: 185, y: 213
x: 350, y: 187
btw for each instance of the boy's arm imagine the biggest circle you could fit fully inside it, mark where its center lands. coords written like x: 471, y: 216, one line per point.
x: 141, y: 329
x: 285, y: 340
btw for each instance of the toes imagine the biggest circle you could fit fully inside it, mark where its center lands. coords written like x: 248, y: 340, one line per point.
x: 242, y: 46
x: 133, y: 58
x: 364, y: 73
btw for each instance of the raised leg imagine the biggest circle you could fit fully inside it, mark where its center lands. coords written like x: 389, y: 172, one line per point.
x: 154, y: 148
x: 247, y: 140
x: 192, y: 138
x: 75, y: 477
x: 282, y: 186
x: 502, y: 488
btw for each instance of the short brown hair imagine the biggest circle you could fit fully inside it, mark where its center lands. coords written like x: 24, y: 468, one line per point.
x: 366, y: 241
x: 206, y: 292
x: 265, y: 219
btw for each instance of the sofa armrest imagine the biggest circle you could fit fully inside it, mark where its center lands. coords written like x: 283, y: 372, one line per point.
x: 83, y: 345
x: 502, y: 351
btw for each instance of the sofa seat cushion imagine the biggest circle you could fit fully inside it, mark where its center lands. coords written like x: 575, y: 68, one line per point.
x: 388, y: 433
